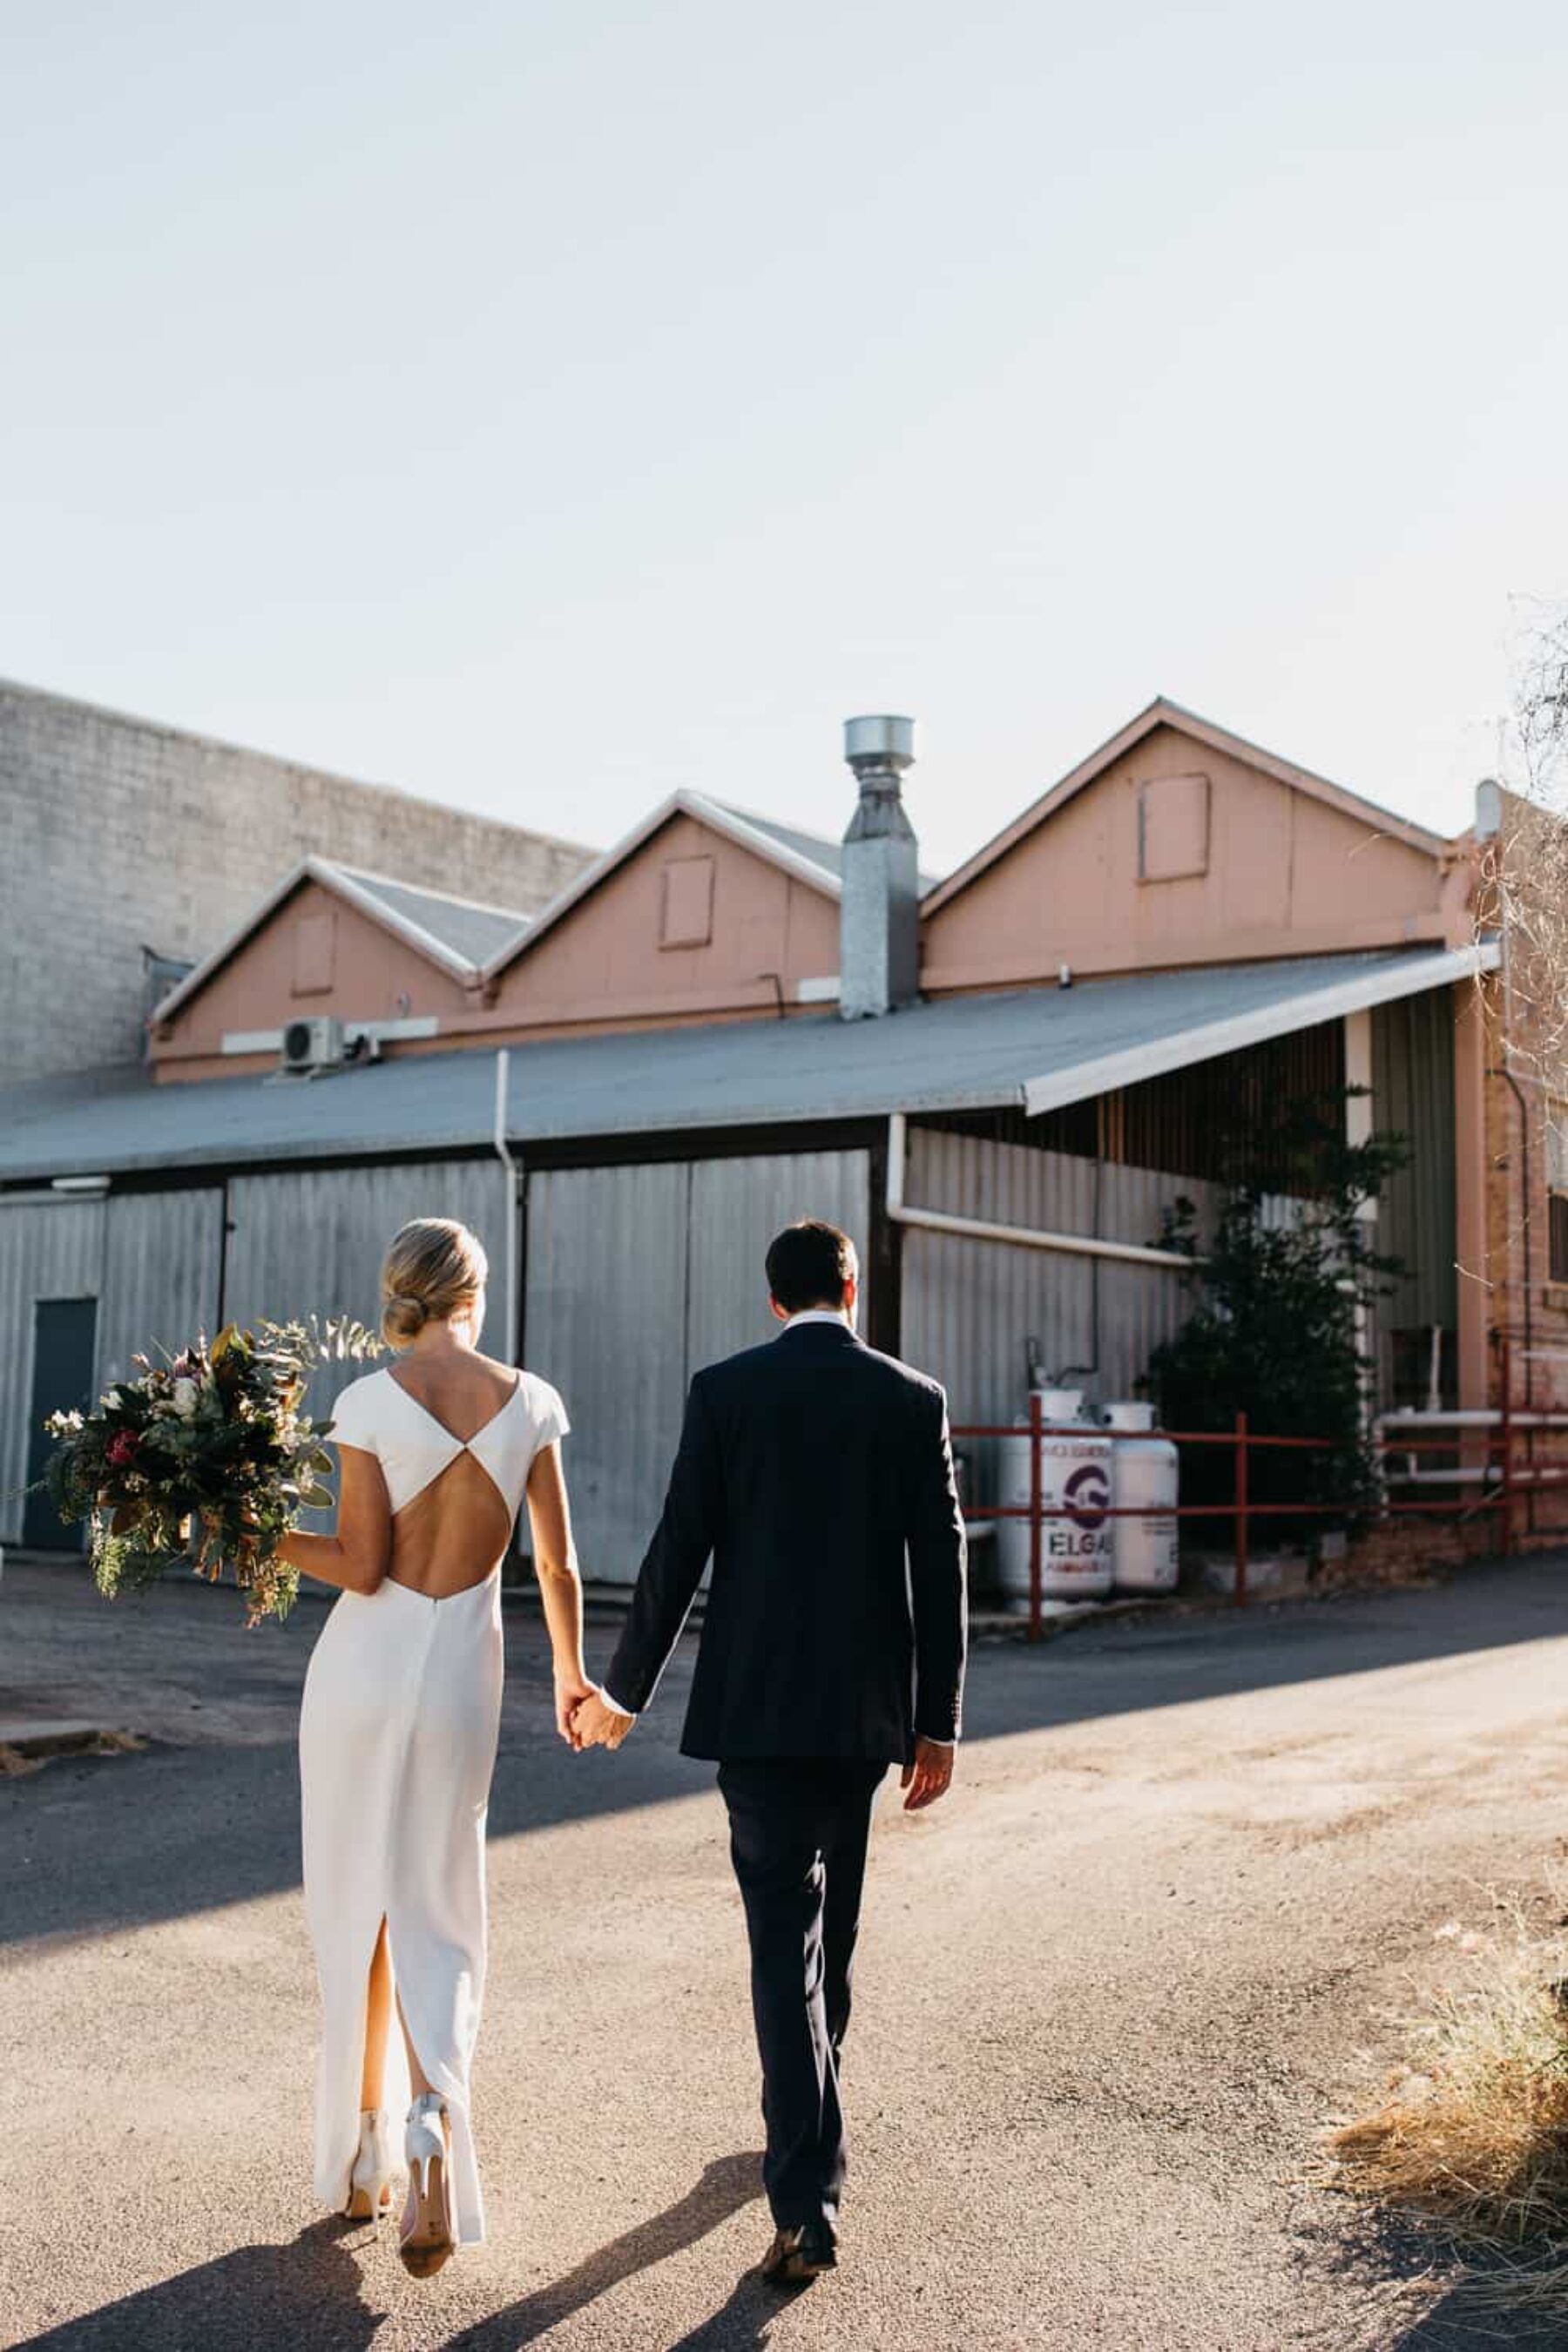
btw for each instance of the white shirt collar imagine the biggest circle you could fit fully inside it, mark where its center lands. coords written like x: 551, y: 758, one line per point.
x: 820, y: 1315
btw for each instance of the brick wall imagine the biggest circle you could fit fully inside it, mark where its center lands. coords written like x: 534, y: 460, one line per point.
x: 116, y: 834
x: 1526, y: 1076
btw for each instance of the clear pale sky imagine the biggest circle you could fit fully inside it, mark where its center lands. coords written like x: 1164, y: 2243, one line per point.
x: 541, y: 406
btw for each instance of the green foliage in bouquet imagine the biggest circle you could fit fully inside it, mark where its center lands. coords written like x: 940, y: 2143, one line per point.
x: 204, y: 1461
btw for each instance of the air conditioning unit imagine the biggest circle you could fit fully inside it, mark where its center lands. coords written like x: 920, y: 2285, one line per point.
x: 312, y: 1045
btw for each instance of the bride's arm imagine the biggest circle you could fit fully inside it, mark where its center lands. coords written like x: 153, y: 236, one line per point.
x: 560, y: 1585
x: 357, y: 1556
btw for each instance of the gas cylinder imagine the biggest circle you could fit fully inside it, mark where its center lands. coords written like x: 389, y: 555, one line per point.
x: 1144, y: 1479
x: 1076, y: 1556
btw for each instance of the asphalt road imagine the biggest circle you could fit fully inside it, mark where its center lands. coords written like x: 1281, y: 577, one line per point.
x: 1108, y: 1993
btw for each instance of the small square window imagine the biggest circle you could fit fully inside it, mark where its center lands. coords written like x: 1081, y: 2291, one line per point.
x: 1173, y: 828
x: 315, y: 941
x: 686, y: 912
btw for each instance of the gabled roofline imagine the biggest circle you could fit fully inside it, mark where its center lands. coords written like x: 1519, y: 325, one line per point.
x: 682, y: 802
x: 343, y: 882
x: 1161, y: 712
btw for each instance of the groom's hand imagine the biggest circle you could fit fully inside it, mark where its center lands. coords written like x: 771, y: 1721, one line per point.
x: 594, y: 1724
x: 928, y: 1777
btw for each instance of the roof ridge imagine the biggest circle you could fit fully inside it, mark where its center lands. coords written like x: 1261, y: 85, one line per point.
x: 369, y: 875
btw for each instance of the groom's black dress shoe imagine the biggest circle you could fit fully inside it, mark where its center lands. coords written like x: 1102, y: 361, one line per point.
x: 796, y: 2255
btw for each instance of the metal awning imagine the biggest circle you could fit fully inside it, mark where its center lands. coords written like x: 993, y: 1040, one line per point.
x: 1032, y: 1049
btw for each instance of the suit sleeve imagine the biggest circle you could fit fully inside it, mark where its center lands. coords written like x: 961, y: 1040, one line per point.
x: 672, y: 1568
x: 938, y: 1554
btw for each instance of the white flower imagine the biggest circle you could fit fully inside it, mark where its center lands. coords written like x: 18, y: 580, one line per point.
x: 111, y: 1400
x: 186, y: 1393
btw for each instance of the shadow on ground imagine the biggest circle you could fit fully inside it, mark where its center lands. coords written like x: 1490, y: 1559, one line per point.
x: 724, y: 2187
x: 124, y: 1840
x: 306, y: 2291
x: 1432, y: 2301
x: 310, y: 2291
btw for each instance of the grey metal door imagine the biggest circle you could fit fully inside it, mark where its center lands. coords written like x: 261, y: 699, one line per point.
x: 65, y: 1343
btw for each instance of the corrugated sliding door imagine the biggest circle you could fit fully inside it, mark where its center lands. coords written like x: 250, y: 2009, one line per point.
x: 605, y: 1321
x: 638, y: 1276
x: 311, y: 1240
x: 737, y: 1207
x: 160, y: 1277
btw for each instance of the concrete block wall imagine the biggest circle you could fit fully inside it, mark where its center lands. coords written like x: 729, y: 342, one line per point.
x: 117, y: 834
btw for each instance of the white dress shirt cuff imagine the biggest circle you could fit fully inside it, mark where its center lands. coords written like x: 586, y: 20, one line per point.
x: 613, y: 1702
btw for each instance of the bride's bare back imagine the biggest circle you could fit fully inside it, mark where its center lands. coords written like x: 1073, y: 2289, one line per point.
x: 455, y: 1531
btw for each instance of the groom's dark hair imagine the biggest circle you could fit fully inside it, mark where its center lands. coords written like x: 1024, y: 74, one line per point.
x: 808, y: 1266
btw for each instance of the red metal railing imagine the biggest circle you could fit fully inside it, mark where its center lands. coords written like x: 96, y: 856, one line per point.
x: 1500, y: 1490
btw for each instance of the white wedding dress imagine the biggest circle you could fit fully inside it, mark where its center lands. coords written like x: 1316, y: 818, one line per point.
x: 397, y: 1744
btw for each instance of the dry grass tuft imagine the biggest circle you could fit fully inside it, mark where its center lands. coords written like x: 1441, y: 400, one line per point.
x: 1471, y: 2143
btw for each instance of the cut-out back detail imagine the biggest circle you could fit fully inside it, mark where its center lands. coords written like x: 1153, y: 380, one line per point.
x: 381, y: 1416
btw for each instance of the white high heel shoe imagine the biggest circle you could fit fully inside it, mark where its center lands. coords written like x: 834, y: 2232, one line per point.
x: 429, y: 2235
x: 375, y: 2169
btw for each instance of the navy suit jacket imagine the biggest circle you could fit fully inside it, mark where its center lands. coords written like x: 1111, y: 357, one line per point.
x: 818, y: 1477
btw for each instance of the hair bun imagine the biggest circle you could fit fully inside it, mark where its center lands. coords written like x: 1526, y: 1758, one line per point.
x: 434, y: 1269
x: 404, y: 1316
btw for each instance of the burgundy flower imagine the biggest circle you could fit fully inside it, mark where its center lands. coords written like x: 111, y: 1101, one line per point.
x: 122, y: 1449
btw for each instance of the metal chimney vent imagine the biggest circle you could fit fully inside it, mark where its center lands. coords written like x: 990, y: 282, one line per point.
x: 878, y: 963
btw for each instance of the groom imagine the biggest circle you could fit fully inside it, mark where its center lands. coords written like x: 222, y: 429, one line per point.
x: 817, y: 1476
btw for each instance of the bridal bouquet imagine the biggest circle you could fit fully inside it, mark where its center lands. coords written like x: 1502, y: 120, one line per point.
x: 203, y: 1460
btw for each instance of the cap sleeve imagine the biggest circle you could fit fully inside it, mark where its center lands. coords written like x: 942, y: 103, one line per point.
x: 550, y: 1420
x: 353, y: 1417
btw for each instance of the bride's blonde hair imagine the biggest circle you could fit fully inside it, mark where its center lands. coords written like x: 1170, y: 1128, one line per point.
x: 434, y: 1269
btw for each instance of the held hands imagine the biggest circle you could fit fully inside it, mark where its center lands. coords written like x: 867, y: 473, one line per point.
x: 595, y: 1724
x: 571, y: 1690
x: 928, y: 1777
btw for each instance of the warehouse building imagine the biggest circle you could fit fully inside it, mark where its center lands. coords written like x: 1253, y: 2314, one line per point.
x: 626, y: 1098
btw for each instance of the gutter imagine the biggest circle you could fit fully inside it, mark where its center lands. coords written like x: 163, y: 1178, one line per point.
x: 939, y: 1221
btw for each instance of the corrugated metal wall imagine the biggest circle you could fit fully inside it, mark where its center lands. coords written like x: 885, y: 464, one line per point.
x: 1413, y: 1096
x: 639, y: 1275
x: 160, y: 1273
x: 969, y: 1306
x: 605, y: 1321
x: 48, y: 1249
x: 312, y: 1240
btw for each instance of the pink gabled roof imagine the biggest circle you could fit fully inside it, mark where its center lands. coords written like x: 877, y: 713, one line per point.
x: 790, y: 852
x: 1203, y: 731
x: 412, y: 912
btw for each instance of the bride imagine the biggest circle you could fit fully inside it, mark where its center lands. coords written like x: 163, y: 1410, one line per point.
x: 399, y: 1724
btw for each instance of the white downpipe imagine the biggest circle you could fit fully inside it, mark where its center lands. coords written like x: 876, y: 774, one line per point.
x: 980, y: 1228
x: 503, y: 1153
